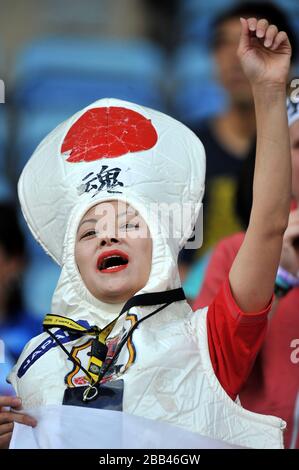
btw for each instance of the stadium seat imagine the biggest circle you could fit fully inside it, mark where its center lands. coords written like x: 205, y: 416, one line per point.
x: 31, y: 129
x: 192, y: 8
x: 65, y: 73
x: 191, y: 62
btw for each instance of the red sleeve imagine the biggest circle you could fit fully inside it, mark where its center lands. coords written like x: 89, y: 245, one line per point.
x: 234, y: 339
x: 218, y: 269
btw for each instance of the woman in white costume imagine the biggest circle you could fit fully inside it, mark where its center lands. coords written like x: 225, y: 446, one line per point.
x: 121, y: 335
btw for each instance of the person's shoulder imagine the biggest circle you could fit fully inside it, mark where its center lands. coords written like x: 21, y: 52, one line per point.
x: 34, y: 343
x: 32, y: 349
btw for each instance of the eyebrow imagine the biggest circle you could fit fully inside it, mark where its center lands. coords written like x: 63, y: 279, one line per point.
x: 87, y: 221
x: 95, y: 220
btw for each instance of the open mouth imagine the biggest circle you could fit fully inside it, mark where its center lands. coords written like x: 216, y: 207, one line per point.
x: 112, y: 261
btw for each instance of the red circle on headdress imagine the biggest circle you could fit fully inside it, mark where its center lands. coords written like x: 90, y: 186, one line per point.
x: 108, y: 133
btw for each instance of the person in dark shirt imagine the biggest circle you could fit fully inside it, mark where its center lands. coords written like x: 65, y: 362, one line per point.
x: 228, y: 138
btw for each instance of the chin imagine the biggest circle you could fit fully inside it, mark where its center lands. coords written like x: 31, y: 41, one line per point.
x: 115, y: 294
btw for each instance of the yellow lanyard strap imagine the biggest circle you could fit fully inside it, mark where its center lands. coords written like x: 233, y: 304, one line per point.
x: 98, y: 349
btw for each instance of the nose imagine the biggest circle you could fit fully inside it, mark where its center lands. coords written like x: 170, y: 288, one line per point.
x: 108, y: 241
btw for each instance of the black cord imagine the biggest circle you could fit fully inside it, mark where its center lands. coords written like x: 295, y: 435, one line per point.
x: 73, y: 359
x: 171, y: 296
x: 123, y: 342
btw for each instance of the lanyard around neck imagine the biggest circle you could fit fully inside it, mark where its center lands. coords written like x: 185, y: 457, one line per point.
x: 96, y: 368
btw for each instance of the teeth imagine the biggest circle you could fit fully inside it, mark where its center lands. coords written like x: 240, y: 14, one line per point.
x: 105, y: 261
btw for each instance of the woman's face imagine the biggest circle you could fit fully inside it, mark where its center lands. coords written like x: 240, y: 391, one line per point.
x: 113, y: 251
x: 294, y: 138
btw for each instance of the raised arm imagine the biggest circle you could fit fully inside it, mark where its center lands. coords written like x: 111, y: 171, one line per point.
x: 265, y: 56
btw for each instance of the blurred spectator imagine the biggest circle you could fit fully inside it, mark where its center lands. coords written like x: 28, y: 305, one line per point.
x: 161, y: 17
x: 227, y: 137
x: 17, y: 327
x: 273, y: 385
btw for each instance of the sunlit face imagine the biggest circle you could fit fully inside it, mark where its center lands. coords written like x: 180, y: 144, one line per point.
x: 113, y: 251
x: 229, y: 69
x: 294, y: 138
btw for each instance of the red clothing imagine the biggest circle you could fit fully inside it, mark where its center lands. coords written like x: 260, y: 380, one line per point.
x: 234, y: 339
x: 273, y: 384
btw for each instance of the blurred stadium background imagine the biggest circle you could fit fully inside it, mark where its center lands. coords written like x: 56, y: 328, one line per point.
x: 56, y: 56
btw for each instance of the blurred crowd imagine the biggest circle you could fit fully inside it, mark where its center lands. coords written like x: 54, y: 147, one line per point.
x: 176, y: 56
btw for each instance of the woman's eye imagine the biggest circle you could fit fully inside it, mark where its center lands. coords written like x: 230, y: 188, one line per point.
x: 87, y: 234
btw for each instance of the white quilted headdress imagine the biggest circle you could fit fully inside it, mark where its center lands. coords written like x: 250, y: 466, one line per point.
x: 112, y: 149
